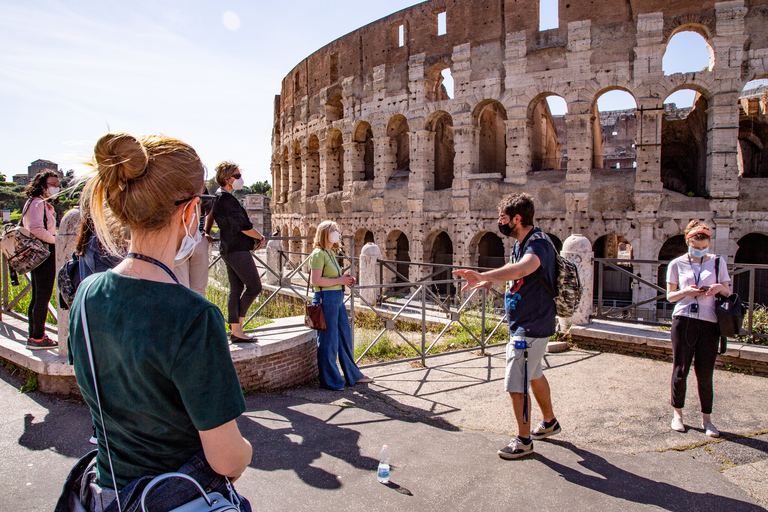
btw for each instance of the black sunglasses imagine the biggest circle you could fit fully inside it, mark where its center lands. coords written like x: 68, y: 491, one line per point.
x: 206, y: 201
x: 236, y: 176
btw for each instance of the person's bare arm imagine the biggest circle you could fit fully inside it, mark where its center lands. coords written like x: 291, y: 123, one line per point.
x: 509, y: 272
x: 226, y: 450
x: 208, y: 227
x: 324, y: 282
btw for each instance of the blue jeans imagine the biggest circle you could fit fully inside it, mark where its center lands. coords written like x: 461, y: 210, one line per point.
x: 335, y: 342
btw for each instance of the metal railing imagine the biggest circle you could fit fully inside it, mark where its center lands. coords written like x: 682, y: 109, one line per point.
x: 435, y: 304
x: 658, y: 310
x: 12, y: 295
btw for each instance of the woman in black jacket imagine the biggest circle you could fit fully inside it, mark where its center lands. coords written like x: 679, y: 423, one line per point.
x: 238, y: 239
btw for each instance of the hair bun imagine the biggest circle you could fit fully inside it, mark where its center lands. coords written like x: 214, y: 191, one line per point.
x: 119, y: 158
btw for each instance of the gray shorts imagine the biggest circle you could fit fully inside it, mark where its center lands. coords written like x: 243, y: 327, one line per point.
x: 514, y: 379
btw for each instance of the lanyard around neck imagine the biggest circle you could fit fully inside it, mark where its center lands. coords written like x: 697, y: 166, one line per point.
x: 696, y: 277
x: 153, y: 261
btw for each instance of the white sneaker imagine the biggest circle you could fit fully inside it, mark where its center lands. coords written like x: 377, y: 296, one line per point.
x: 710, y: 429
x: 516, y: 449
x: 677, y: 424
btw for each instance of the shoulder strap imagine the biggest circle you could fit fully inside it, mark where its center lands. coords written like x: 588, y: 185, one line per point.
x: 24, y: 210
x: 717, y: 268
x: 84, y: 321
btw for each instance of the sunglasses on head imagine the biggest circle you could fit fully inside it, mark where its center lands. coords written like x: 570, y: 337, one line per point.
x: 206, y: 201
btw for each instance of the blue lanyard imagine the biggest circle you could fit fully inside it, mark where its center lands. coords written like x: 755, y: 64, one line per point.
x: 153, y: 261
x: 696, y: 278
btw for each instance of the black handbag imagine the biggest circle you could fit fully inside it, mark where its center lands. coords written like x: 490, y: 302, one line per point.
x: 730, y: 313
x: 68, y: 280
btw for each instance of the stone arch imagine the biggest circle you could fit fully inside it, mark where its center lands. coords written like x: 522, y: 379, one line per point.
x: 313, y: 166
x: 614, y: 132
x: 397, y: 130
x: 684, y: 147
x: 490, y: 117
x: 285, y: 176
x: 441, y: 124
x: 490, y: 251
x: 556, y: 242
x: 362, y: 236
x: 435, y: 90
x: 296, y: 168
x: 334, y: 109
x: 397, y: 249
x: 693, y: 23
x: 364, y: 135
x: 672, y: 247
x: 752, y: 145
x: 617, y: 286
x: 440, y: 250
x: 296, y: 247
x: 753, y: 248
x: 548, y: 136
x: 334, y: 164
x: 309, y: 243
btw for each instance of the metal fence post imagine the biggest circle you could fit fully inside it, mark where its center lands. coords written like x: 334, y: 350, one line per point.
x: 482, y: 322
x: 751, y: 299
x: 423, y: 323
x: 352, y: 288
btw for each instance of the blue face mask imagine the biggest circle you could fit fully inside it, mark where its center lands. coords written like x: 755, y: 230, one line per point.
x: 698, y: 253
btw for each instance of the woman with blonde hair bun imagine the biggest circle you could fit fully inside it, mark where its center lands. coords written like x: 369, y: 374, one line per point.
x: 336, y: 340
x: 167, y: 385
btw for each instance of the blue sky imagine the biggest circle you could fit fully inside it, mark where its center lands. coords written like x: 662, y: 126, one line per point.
x: 204, y: 72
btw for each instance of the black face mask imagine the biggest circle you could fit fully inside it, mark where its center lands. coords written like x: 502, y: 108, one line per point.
x: 505, y: 229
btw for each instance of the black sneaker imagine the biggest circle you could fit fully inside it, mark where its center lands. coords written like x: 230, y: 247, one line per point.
x: 516, y: 449
x: 43, y: 344
x: 543, y: 431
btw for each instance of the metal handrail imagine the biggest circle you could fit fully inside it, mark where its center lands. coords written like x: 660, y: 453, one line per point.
x: 734, y: 269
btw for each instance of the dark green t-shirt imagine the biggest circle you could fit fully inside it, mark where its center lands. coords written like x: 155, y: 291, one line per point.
x: 164, y: 372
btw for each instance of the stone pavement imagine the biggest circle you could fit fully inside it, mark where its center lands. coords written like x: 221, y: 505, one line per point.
x: 316, y: 450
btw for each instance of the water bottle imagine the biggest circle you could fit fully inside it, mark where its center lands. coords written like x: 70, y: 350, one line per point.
x: 384, y: 465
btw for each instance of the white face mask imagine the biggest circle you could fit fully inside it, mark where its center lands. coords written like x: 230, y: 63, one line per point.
x: 238, y: 183
x: 334, y: 237
x: 189, y: 241
x: 52, y: 191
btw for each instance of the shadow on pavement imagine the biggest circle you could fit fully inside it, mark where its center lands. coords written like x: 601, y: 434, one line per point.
x: 284, y: 438
x: 64, y: 428
x: 619, y: 483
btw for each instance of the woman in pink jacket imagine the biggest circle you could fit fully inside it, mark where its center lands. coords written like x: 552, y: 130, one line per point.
x: 40, y: 220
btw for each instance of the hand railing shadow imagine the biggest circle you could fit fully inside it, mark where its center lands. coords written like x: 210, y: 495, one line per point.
x: 622, y: 484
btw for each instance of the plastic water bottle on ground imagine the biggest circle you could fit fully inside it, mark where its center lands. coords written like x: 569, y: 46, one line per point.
x: 384, y: 465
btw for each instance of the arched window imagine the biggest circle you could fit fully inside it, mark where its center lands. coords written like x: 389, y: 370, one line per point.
x: 753, y: 248
x: 684, y: 143
x: 753, y: 130
x: 688, y: 51
x: 313, y: 166
x: 397, y: 129
x: 617, y: 286
x: 335, y: 162
x: 548, y: 133
x: 438, y: 82
x: 364, y: 135
x: 493, y: 138
x: 442, y: 254
x: 441, y: 124
x: 490, y: 251
x: 285, y: 176
x: 613, y: 144
x: 397, y: 249
x: 334, y: 110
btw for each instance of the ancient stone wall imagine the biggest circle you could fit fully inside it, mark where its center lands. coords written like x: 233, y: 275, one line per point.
x: 366, y: 134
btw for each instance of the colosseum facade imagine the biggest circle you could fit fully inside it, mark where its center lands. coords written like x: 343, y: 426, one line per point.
x: 366, y: 134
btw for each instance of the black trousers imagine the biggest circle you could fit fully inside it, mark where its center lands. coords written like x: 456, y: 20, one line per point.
x: 697, y: 341
x: 244, y: 284
x: 42, y: 280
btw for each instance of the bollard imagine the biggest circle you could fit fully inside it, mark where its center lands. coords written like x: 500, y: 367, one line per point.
x: 577, y: 249
x: 69, y: 228
x: 369, y: 272
x: 273, y: 261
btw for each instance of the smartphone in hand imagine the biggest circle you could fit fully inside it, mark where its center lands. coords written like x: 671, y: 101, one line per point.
x: 704, y: 288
